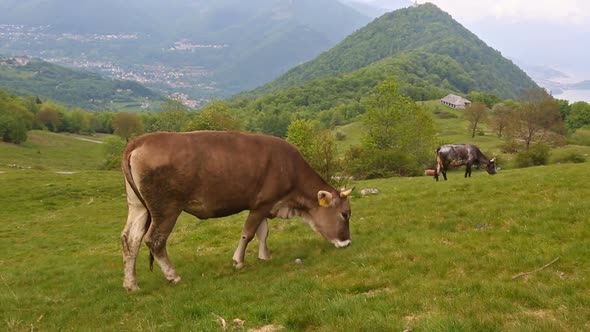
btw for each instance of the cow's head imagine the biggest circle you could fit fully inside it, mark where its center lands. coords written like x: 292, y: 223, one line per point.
x: 331, y: 217
x: 491, y: 166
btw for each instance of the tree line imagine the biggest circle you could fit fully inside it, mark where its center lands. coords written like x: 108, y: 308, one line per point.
x: 399, y: 133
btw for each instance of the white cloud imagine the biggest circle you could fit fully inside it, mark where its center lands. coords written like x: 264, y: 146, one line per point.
x: 576, y: 12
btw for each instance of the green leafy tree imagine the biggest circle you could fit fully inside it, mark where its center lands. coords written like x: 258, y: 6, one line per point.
x: 112, y: 150
x: 15, y: 119
x: 174, y: 116
x: 487, y: 99
x: 301, y: 134
x: 579, y: 115
x: 127, y: 125
x: 49, y: 116
x: 317, y: 146
x: 79, y: 121
x: 214, y: 116
x: 396, y: 127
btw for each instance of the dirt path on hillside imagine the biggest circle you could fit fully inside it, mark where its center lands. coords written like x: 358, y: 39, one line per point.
x: 89, y: 140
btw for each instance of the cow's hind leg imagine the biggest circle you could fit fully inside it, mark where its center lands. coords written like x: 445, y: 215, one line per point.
x: 156, y: 237
x: 262, y: 235
x: 135, y: 229
x: 250, y: 228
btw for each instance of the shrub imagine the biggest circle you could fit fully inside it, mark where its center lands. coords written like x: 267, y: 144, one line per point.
x: 581, y: 137
x: 511, y: 146
x: 340, y: 136
x: 571, y: 157
x: 535, y: 156
x: 371, y: 164
x: 113, y: 149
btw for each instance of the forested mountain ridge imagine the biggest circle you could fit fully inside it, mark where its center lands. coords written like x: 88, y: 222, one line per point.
x: 76, y: 88
x: 425, y: 31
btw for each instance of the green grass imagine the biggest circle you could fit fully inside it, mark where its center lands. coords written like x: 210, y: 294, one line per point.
x: 50, y: 151
x: 431, y: 256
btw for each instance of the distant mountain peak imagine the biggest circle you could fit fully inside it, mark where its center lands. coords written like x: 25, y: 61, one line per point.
x: 417, y: 34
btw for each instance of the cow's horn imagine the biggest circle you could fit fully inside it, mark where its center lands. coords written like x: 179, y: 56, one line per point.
x: 493, y: 159
x: 346, y: 193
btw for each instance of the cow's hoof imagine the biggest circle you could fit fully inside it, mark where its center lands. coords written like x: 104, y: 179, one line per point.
x: 131, y: 287
x: 238, y: 265
x: 174, y: 280
x: 264, y: 257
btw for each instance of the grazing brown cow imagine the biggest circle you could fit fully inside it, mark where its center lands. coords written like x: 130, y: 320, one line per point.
x: 215, y: 174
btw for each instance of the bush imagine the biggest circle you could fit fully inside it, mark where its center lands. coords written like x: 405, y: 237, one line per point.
x: 372, y: 164
x: 535, y: 156
x: 511, y: 146
x: 581, y: 137
x: 340, y: 136
x: 113, y: 149
x: 571, y: 157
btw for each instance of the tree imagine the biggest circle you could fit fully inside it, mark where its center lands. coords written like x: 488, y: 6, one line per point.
x: 127, y: 125
x: 501, y: 116
x: 79, y: 121
x: 537, y: 119
x: 214, y: 116
x: 173, y: 118
x: 49, y: 116
x: 485, y: 98
x: 301, y: 134
x: 112, y: 150
x: 317, y: 146
x: 579, y: 115
x: 15, y: 120
x: 475, y: 113
x: 399, y: 135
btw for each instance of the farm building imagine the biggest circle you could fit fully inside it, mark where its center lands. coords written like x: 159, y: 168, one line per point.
x: 455, y: 101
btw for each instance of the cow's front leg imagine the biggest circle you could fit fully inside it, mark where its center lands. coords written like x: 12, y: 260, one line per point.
x: 262, y: 235
x: 468, y: 170
x: 250, y: 228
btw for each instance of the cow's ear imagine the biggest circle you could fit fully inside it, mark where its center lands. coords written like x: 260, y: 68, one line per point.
x: 346, y: 193
x: 324, y: 198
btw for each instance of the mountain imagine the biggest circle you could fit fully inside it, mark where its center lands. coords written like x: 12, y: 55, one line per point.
x: 420, y: 42
x: 76, y: 88
x: 213, y: 48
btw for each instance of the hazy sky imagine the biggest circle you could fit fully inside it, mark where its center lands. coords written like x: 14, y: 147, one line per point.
x: 567, y: 12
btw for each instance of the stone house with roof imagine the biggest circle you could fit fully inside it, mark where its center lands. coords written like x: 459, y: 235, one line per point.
x: 455, y: 101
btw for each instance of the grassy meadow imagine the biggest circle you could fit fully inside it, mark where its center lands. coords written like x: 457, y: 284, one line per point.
x: 426, y: 255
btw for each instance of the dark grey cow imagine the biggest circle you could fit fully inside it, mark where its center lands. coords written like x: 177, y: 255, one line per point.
x: 456, y: 155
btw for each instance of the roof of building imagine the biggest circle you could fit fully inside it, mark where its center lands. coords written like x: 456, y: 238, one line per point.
x: 455, y: 100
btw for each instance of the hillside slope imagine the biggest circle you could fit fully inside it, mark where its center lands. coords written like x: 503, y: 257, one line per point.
x: 76, y: 88
x: 408, y: 35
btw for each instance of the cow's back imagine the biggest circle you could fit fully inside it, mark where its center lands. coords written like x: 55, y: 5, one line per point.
x: 213, y: 173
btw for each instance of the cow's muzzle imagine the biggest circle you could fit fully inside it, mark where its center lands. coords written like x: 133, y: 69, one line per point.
x: 341, y: 244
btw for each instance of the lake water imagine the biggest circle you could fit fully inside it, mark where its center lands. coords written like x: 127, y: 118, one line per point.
x: 573, y: 77
x: 574, y: 95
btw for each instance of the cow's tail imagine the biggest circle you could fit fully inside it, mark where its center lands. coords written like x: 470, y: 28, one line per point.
x: 126, y: 168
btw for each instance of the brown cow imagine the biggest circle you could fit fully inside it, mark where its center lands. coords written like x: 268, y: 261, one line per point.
x: 215, y: 174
